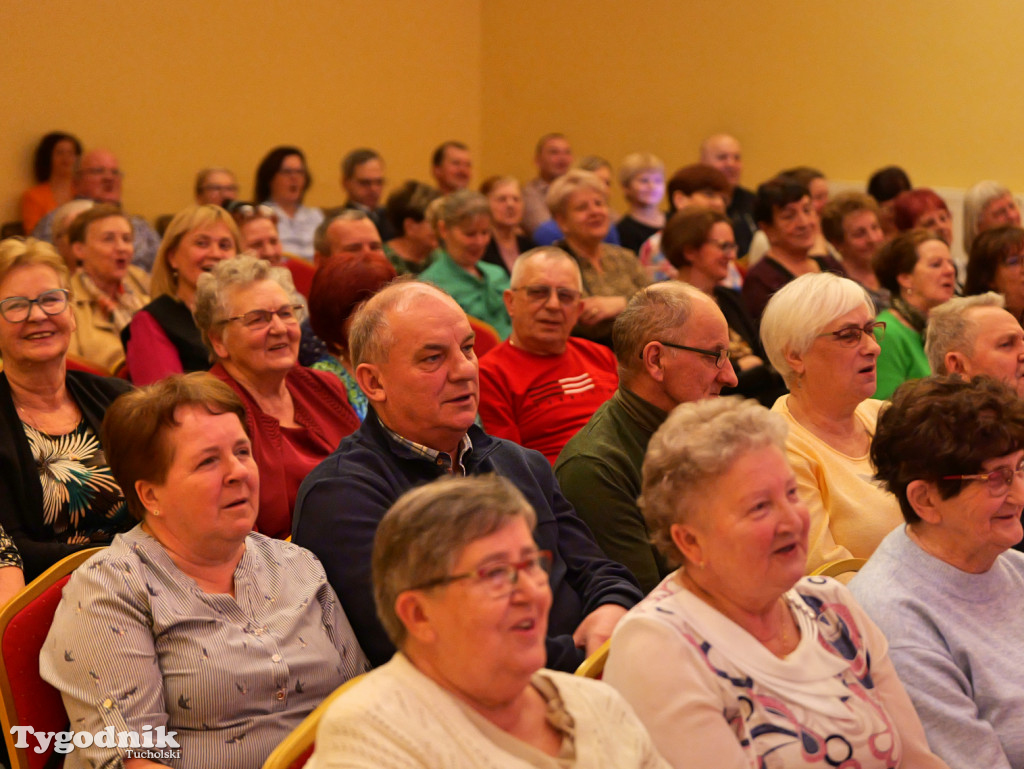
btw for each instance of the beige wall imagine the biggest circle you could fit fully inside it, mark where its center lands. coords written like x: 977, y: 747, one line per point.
x: 175, y: 86
x: 844, y: 86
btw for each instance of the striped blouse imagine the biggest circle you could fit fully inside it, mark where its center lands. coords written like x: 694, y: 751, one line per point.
x: 136, y: 643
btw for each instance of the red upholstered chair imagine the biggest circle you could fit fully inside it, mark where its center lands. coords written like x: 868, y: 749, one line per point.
x: 81, y: 364
x: 302, y: 274
x: 25, y: 698
x: 486, y: 336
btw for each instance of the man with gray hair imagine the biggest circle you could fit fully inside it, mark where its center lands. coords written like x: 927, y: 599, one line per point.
x: 362, y: 178
x: 974, y: 335
x: 672, y: 344
x: 412, y: 347
x: 541, y: 385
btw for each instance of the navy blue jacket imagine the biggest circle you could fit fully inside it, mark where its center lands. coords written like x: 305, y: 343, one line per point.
x: 341, y: 502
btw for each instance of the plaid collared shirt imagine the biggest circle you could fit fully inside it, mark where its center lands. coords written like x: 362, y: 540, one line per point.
x: 440, y: 458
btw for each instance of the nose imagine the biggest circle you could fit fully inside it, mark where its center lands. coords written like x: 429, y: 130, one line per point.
x: 869, y: 344
x: 727, y: 375
x: 464, y: 366
x: 552, y: 302
x: 239, y: 469
x: 32, y: 312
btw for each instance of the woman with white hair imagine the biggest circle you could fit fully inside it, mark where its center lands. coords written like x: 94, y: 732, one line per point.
x: 734, y: 661
x: 988, y: 204
x: 819, y: 331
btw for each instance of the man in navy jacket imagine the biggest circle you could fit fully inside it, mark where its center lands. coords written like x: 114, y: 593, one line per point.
x: 413, y: 351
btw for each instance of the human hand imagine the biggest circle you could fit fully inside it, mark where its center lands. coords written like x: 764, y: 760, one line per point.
x: 597, y: 627
x: 598, y: 308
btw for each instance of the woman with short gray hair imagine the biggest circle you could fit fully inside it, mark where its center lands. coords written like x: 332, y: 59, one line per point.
x: 734, y: 660
x: 820, y: 333
x: 463, y: 592
x: 248, y: 313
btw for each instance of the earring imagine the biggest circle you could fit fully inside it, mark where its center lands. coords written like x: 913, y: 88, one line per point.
x: 155, y: 513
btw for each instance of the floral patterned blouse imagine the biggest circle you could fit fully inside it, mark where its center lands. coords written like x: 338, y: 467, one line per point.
x: 81, y: 500
x: 9, y: 555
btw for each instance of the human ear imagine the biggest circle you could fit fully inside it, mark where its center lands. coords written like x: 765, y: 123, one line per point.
x: 923, y: 497
x: 369, y: 380
x: 688, y: 541
x: 412, y: 613
x: 652, y: 363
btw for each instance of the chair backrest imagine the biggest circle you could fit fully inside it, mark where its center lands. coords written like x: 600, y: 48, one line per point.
x: 25, y: 698
x: 593, y: 666
x: 486, y: 336
x: 837, y: 568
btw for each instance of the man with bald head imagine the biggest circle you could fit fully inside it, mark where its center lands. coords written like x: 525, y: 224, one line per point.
x: 672, y: 344
x: 541, y: 385
x: 975, y: 335
x: 412, y: 347
x: 723, y: 152
x: 98, y: 178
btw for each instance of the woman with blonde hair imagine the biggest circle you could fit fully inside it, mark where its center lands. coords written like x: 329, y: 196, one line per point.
x: 163, y: 338
x: 642, y: 176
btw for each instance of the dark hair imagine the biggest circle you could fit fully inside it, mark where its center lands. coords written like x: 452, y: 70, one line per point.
x: 356, y: 158
x: 987, y: 253
x: 695, y: 178
x: 886, y: 183
x: 944, y: 426
x: 688, y: 229
x: 409, y: 201
x: 909, y: 206
x: 775, y: 194
x: 342, y: 283
x: 802, y: 175
x: 438, y: 157
x: 134, y: 429
x: 271, y: 164
x: 898, y: 257
x: 79, y: 227
x: 42, y: 161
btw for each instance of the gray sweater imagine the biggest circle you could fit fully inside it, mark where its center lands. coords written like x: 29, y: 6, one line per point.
x: 957, y: 641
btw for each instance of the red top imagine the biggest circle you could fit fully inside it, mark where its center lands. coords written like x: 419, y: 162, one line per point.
x: 285, y: 455
x: 541, y: 401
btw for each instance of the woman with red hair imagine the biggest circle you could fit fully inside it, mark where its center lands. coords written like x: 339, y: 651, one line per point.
x: 922, y: 207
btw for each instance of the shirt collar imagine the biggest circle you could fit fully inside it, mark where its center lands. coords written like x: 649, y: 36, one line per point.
x: 439, y: 458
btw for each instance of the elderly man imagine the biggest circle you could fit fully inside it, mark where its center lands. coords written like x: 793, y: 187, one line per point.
x: 672, y: 343
x: 540, y: 386
x: 362, y: 178
x: 98, y: 178
x: 553, y: 158
x: 412, y: 346
x: 974, y: 335
x: 452, y: 167
x: 724, y: 153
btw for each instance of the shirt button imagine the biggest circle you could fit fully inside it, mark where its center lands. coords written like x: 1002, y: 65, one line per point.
x: 280, y: 694
x: 276, y: 658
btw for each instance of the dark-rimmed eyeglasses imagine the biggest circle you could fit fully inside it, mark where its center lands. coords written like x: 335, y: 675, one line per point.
x: 499, y: 579
x: 16, y: 309
x: 997, y: 481
x: 257, y: 320
x: 721, y: 355
x: 566, y: 296
x: 850, y: 336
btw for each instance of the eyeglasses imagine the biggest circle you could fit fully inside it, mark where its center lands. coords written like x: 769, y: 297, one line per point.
x: 997, y: 482
x: 499, y: 580
x: 725, y: 246
x: 850, y: 336
x: 115, y: 172
x: 220, y: 188
x: 257, y: 320
x: 16, y: 309
x: 566, y: 296
x: 1013, y: 260
x: 720, y: 356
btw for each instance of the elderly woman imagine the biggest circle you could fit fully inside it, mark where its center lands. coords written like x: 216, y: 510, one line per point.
x: 611, y: 274
x: 282, y: 181
x: 946, y: 589
x: 108, y: 289
x: 996, y: 263
x: 413, y: 250
x: 508, y: 241
x: 248, y: 313
x: 734, y: 661
x: 850, y: 223
x: 54, y: 167
x: 700, y: 246
x: 163, y: 338
x: 988, y: 205
x: 463, y: 592
x: 190, y: 621
x: 464, y: 227
x: 642, y: 176
x: 257, y: 232
x: 918, y: 271
x: 923, y: 208
x: 341, y: 285
x: 57, y: 490
x: 215, y: 187
x: 820, y: 333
